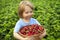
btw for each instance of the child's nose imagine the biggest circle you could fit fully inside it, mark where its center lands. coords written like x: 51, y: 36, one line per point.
x: 29, y: 13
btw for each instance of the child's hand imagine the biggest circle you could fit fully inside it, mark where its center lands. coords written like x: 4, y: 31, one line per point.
x: 44, y: 34
x: 40, y: 34
x: 28, y: 38
x: 24, y: 38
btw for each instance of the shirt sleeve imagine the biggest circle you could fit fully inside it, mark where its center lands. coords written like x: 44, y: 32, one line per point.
x: 17, y: 27
x: 37, y: 22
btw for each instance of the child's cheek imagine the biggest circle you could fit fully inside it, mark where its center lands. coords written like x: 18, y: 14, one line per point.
x: 24, y: 15
x: 32, y: 14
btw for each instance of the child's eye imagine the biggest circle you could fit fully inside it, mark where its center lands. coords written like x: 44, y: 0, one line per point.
x: 30, y: 11
x: 27, y: 12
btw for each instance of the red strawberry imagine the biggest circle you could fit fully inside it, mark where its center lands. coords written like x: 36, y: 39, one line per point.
x: 24, y: 33
x: 29, y: 33
x: 31, y: 29
x: 39, y: 31
x: 41, y: 28
x: 26, y: 28
x: 37, y: 28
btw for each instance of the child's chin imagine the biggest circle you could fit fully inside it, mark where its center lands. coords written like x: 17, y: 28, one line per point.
x: 29, y: 17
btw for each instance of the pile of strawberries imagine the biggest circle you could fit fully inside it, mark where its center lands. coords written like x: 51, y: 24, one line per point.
x: 31, y: 30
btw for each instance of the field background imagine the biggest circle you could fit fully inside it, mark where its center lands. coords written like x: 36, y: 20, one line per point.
x: 47, y: 12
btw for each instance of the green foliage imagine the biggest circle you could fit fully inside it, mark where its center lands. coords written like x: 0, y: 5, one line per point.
x: 47, y: 12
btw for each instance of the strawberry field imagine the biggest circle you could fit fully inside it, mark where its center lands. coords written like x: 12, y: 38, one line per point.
x: 47, y: 12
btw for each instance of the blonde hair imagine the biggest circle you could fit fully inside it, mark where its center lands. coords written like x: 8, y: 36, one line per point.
x: 22, y: 7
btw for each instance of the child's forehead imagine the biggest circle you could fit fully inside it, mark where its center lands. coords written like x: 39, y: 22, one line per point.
x: 27, y: 8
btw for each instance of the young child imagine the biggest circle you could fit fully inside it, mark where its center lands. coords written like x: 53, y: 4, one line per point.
x: 25, y: 12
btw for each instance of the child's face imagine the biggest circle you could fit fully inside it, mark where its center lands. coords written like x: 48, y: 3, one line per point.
x: 28, y: 12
